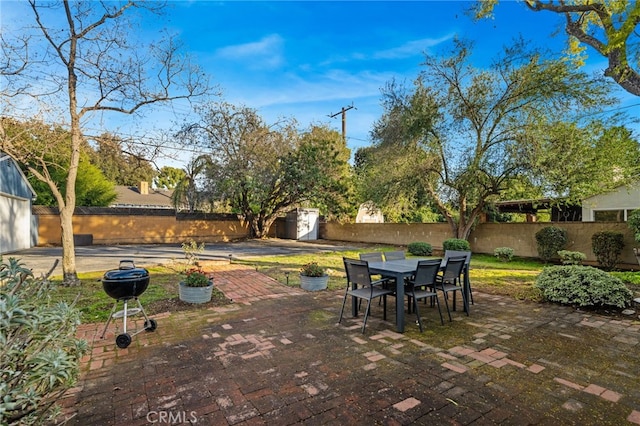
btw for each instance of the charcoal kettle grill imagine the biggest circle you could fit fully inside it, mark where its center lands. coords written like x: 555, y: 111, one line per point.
x: 123, y: 284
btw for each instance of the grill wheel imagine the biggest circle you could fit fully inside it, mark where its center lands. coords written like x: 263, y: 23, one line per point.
x: 150, y: 325
x: 123, y: 340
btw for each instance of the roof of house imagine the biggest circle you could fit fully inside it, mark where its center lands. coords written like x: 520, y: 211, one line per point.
x: 12, y: 179
x: 131, y: 196
x: 631, y: 190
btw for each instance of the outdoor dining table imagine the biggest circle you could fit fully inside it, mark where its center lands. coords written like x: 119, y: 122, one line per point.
x: 401, y: 269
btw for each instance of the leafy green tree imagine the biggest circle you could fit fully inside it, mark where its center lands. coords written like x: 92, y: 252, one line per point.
x: 327, y: 169
x: 94, y: 65
x: 609, y: 27
x: 397, y: 185
x: 461, y: 135
x: 123, y: 168
x: 169, y: 177
x: 187, y: 191
x: 50, y: 147
x: 92, y: 189
x: 576, y: 162
x: 263, y: 170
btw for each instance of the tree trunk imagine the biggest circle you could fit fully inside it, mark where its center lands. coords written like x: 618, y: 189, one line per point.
x: 256, y: 224
x: 261, y: 224
x: 70, y: 275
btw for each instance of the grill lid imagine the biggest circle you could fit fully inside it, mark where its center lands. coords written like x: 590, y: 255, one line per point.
x: 126, y: 272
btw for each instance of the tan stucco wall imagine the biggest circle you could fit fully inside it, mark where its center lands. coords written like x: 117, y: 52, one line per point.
x: 123, y: 229
x: 387, y: 233
x: 521, y: 237
x: 133, y: 229
x: 484, y: 238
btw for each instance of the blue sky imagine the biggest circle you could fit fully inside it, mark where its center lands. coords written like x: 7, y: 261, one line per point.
x: 309, y: 59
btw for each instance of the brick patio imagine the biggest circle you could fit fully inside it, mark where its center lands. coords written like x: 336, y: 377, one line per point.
x: 277, y: 356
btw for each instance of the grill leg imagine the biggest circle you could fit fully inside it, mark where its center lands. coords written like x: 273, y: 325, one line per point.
x: 124, y: 317
x: 146, y: 318
x: 113, y: 310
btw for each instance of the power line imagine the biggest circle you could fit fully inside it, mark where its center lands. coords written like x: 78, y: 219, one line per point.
x: 343, y: 111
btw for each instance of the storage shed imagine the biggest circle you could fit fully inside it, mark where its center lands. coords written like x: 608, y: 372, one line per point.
x: 302, y: 224
x: 18, y: 230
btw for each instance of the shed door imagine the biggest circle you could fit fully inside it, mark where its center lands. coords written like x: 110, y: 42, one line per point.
x: 15, y: 224
x: 307, y: 225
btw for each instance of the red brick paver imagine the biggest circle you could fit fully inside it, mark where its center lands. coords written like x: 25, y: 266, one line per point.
x: 278, y: 356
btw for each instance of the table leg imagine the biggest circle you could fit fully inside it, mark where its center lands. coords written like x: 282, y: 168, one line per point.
x: 400, y: 303
x: 466, y: 288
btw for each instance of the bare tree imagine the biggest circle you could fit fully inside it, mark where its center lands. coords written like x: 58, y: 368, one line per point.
x: 89, y: 61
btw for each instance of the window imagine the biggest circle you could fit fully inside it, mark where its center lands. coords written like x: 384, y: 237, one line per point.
x: 609, y: 215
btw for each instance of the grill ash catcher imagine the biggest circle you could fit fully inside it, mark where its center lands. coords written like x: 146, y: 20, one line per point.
x: 123, y: 284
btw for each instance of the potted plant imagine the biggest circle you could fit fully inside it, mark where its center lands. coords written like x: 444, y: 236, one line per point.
x: 196, y: 287
x: 313, y: 277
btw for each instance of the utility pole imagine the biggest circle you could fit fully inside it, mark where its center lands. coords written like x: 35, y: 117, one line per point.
x: 343, y: 111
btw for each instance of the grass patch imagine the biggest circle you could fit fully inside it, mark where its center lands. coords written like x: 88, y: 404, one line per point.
x: 95, y: 305
x: 488, y: 275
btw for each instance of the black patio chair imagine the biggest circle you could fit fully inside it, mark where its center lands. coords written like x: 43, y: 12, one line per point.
x: 457, y: 253
x: 450, y: 282
x: 394, y: 255
x: 422, y: 286
x: 385, y: 281
x: 360, y: 285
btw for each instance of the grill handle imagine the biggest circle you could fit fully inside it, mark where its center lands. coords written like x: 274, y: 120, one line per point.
x: 127, y: 264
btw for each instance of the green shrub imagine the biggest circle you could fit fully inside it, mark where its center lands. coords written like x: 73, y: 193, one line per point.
x: 571, y: 257
x: 456, y: 244
x: 633, y: 220
x: 607, y: 246
x: 582, y: 286
x: 628, y: 277
x: 420, y: 248
x: 505, y: 254
x: 550, y: 240
x: 39, y: 353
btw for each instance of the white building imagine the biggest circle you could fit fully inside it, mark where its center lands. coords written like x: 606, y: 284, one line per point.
x: 18, y: 230
x: 614, y: 206
x: 368, y: 213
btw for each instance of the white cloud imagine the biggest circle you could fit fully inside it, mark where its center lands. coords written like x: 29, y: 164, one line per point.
x: 411, y: 48
x: 265, y: 53
x: 333, y: 85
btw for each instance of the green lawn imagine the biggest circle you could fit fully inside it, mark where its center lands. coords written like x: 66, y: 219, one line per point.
x: 488, y: 275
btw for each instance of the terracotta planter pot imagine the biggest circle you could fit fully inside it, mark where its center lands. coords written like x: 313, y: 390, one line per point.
x: 314, y: 283
x: 195, y: 294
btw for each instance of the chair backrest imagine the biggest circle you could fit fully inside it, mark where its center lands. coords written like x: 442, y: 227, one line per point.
x: 374, y: 256
x: 347, y: 268
x: 453, y: 268
x: 457, y: 253
x: 426, y: 272
x: 394, y: 255
x: 357, y: 272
